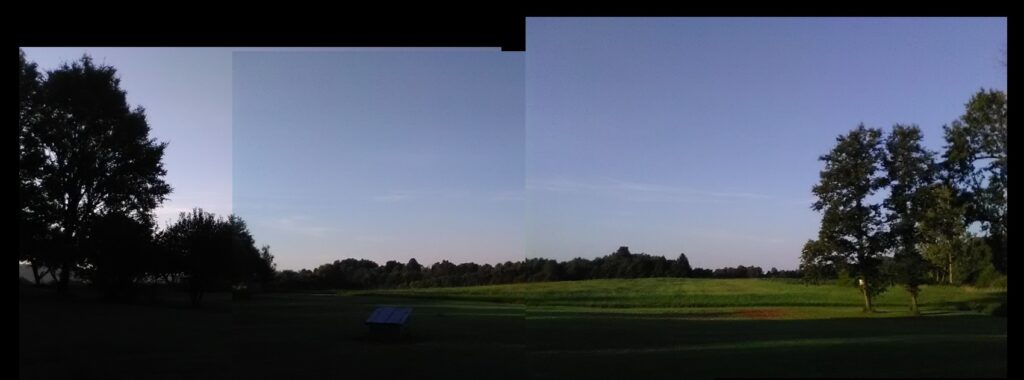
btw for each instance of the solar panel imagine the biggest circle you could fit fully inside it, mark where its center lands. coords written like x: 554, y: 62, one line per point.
x: 389, y: 315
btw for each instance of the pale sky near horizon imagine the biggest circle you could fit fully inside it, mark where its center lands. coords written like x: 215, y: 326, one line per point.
x: 666, y: 135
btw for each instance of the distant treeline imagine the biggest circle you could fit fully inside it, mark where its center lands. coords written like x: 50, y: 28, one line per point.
x: 366, y: 274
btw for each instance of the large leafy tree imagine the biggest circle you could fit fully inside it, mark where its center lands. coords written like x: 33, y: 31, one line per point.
x: 851, y: 225
x: 212, y: 252
x: 975, y: 164
x: 85, y: 153
x: 910, y: 170
x: 36, y: 237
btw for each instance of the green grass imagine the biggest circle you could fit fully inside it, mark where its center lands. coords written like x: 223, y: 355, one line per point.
x: 565, y: 330
x: 693, y: 293
x: 704, y: 328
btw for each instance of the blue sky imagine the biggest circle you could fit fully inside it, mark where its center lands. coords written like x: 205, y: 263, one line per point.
x: 384, y: 155
x: 701, y: 135
x: 666, y: 135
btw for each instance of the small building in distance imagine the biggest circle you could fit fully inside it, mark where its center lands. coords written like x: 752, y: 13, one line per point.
x: 388, y: 321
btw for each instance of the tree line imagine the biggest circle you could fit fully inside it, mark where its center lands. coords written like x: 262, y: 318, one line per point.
x: 366, y: 274
x: 89, y: 179
x: 894, y: 212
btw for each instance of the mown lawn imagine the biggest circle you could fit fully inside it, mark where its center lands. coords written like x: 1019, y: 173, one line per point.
x: 565, y: 330
x: 701, y: 293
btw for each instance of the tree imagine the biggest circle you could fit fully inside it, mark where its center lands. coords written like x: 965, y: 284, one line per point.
x: 943, y: 230
x: 819, y: 262
x: 622, y: 252
x: 681, y: 267
x: 86, y: 153
x: 37, y: 239
x: 975, y: 164
x: 248, y: 263
x: 910, y: 170
x: 264, y: 269
x: 201, y: 245
x: 118, y: 253
x: 851, y: 225
x: 413, y: 271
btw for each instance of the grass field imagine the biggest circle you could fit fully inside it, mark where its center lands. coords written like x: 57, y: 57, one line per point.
x: 648, y: 328
x: 702, y: 328
x: 82, y: 337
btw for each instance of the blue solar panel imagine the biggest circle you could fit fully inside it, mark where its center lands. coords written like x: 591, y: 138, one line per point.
x: 389, y: 315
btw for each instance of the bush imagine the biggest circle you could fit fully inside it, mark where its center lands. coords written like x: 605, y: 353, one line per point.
x: 998, y: 311
x: 989, y: 277
x: 241, y: 292
x: 844, y: 279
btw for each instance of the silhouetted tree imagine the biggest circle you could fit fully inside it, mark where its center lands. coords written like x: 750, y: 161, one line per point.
x: 363, y: 274
x: 851, y: 225
x: 622, y: 252
x: 37, y: 238
x: 201, y: 245
x: 248, y: 263
x: 413, y: 271
x: 118, y: 252
x: 266, y: 269
x: 681, y: 267
x: 85, y: 153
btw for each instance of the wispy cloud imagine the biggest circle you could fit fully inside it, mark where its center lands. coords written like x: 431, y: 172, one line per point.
x: 641, y: 192
x: 393, y: 196
x: 408, y: 195
x: 301, y: 224
x: 731, y: 236
x: 502, y: 196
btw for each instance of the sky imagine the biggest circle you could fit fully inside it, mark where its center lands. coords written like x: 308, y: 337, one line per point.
x: 666, y: 135
x: 701, y: 136
x: 382, y: 155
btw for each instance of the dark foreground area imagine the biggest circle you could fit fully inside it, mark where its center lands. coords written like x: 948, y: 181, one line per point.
x: 323, y: 336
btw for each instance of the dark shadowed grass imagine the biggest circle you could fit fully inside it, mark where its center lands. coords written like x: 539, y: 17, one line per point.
x: 82, y: 337
x: 302, y: 336
x: 596, y: 346
x: 307, y: 336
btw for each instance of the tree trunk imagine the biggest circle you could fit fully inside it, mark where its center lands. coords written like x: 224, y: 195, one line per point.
x: 951, y: 269
x: 913, y: 303
x: 65, y: 277
x: 35, y: 272
x: 867, y: 299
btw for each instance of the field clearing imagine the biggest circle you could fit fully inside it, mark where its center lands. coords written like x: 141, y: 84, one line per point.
x: 460, y: 333
x: 677, y: 293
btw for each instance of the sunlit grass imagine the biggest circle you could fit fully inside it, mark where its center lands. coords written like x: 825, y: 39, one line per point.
x: 699, y: 293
